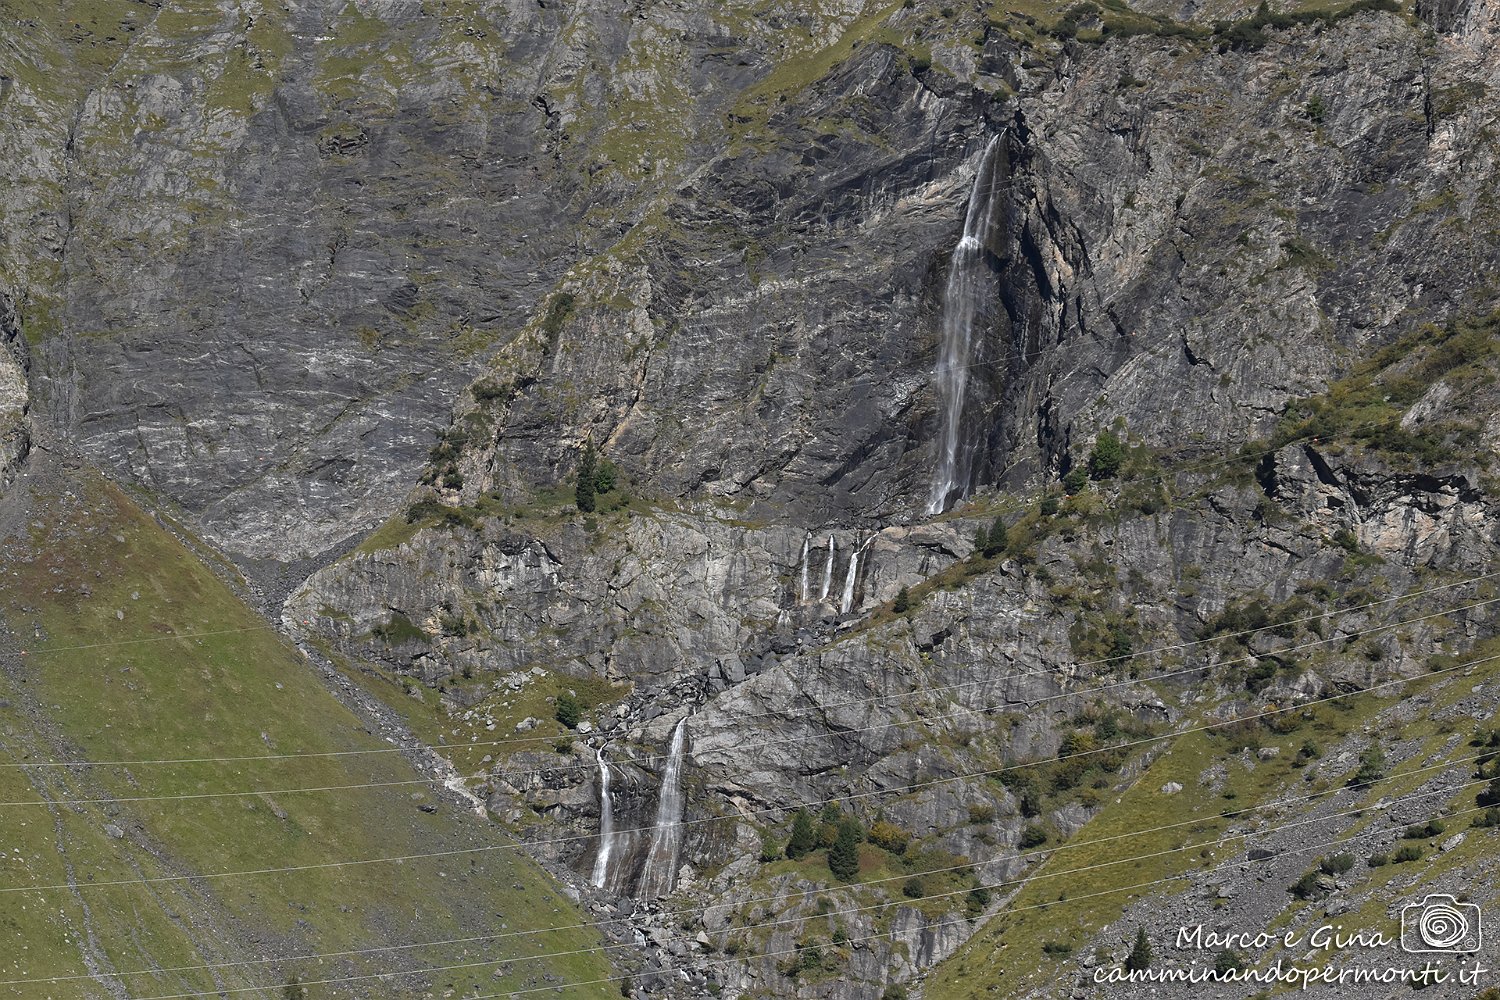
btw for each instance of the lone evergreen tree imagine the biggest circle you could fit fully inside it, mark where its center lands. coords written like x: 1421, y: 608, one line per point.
x: 996, y: 540
x: 804, y: 837
x: 1105, y: 462
x: 588, y: 472
x: 902, y: 604
x: 569, y: 711
x: 1140, y: 957
x: 843, y: 856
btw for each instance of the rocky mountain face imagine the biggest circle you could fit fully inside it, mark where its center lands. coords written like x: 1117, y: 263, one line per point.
x: 354, y: 287
x: 15, y: 397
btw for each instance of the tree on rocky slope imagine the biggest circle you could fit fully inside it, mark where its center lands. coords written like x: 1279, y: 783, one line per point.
x: 804, y: 837
x: 843, y: 856
x: 1140, y: 957
x: 587, y: 486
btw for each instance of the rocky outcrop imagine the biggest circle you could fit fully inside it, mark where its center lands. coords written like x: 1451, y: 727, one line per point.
x: 347, y: 264
x: 15, y: 397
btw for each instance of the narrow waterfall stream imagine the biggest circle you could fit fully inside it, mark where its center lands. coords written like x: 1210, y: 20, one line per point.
x: 969, y: 290
x: 846, y: 604
x: 606, y: 824
x: 660, y: 869
x: 802, y: 594
x: 828, y: 570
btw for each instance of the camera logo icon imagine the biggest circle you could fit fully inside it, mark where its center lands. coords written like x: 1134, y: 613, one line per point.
x: 1440, y: 923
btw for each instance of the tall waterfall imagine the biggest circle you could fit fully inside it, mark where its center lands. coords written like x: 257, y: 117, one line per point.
x: 847, y: 604
x: 802, y: 595
x: 660, y: 869
x: 606, y: 824
x: 828, y: 571
x: 968, y: 292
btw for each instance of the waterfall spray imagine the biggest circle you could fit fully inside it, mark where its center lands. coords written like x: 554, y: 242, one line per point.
x: 964, y: 300
x: 606, y: 824
x: 828, y: 570
x: 802, y: 594
x: 850, y: 578
x: 660, y: 869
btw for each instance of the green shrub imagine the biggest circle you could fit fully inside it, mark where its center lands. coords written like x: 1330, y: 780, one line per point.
x: 1490, y: 817
x: 1107, y: 456
x: 1032, y: 835
x: 1378, y: 860
x: 1421, y: 831
x: 914, y: 887
x: 569, y: 711
x: 1306, y: 887
x: 1408, y: 852
x: 889, y: 837
x: 1371, y: 767
x: 399, y: 629
x: 1336, y: 865
x: 902, y: 604
x: 1076, y: 479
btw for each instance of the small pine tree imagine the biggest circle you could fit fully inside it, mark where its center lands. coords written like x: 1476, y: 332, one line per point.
x: 902, y: 604
x: 1140, y: 957
x: 843, y: 856
x: 981, y: 540
x: 995, y: 541
x: 1076, y: 479
x: 569, y: 712
x: 1107, y: 457
x: 606, y: 476
x: 804, y: 836
x: 588, y: 479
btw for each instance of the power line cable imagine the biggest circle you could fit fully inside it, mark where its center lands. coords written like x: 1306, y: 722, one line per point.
x: 842, y: 732
x: 749, y: 814
x: 1362, y: 788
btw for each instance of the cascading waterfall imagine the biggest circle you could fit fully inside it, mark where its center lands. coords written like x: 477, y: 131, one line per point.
x: 660, y: 869
x: 846, y: 605
x: 806, y: 548
x: 964, y: 302
x: 828, y: 570
x: 606, y: 824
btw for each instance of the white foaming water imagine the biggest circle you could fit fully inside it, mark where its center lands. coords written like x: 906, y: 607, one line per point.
x: 606, y: 824
x: 846, y: 605
x: 964, y: 298
x: 802, y: 594
x: 660, y: 869
x: 828, y: 571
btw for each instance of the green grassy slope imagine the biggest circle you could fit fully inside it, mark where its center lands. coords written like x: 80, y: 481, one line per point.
x: 89, y: 569
x: 1036, y: 942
